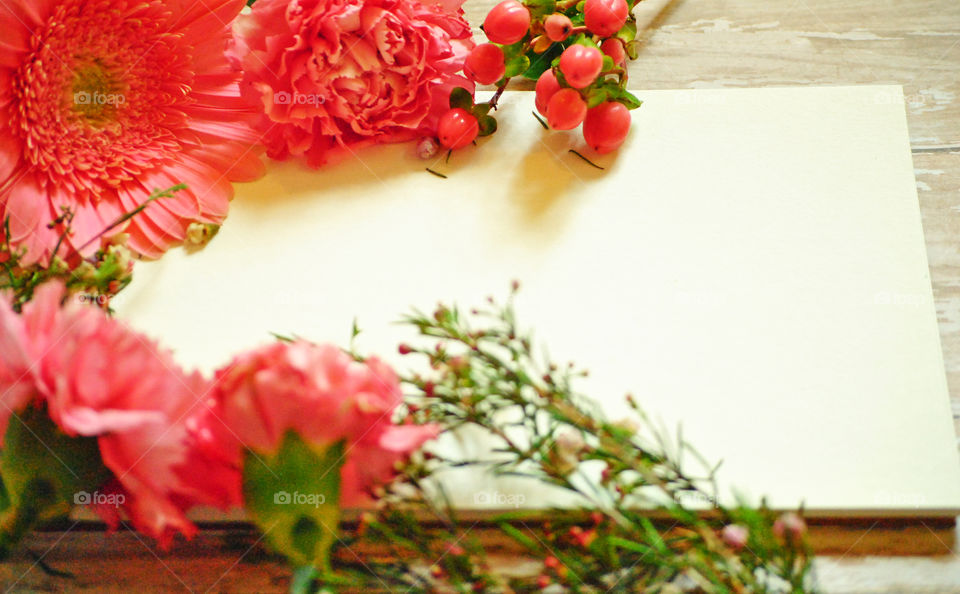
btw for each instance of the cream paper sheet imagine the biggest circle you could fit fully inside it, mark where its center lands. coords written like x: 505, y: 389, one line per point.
x: 750, y: 264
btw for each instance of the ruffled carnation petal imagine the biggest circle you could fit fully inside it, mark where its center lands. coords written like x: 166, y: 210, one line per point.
x: 332, y: 77
x: 99, y: 378
x: 372, y: 461
x: 320, y: 393
x: 16, y: 385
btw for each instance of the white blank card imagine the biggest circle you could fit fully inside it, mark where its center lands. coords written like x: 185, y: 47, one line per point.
x: 750, y: 264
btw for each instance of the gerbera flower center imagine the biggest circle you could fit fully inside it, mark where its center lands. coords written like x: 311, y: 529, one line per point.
x: 96, y: 94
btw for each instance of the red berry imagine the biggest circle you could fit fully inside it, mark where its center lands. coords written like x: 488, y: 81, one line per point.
x: 485, y: 64
x: 566, y: 109
x: 547, y: 85
x: 605, y: 17
x: 606, y: 126
x: 613, y: 47
x: 581, y: 65
x: 558, y: 27
x: 507, y: 23
x: 457, y: 128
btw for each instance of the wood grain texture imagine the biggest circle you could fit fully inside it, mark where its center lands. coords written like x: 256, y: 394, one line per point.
x: 231, y: 560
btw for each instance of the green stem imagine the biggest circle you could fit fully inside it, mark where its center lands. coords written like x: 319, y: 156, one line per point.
x: 496, y: 96
x: 20, y: 518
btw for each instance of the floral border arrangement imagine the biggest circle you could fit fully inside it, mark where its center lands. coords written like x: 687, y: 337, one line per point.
x: 108, y: 102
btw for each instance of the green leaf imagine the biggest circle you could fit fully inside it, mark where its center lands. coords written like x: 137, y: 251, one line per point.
x: 488, y: 125
x: 516, y: 65
x: 519, y: 536
x: 540, y: 63
x: 585, y: 39
x: 513, y: 50
x: 629, y: 99
x: 653, y: 537
x: 596, y: 96
x: 34, y: 448
x: 293, y: 495
x: 45, y: 472
x: 632, y: 50
x: 540, y: 8
x: 629, y: 31
x: 302, y: 580
x: 608, y: 64
x: 462, y: 98
x: 629, y: 545
x: 479, y: 110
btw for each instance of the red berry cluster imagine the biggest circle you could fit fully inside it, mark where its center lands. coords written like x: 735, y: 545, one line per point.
x: 577, y: 52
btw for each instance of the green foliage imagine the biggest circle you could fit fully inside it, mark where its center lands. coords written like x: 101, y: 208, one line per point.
x: 44, y: 473
x: 485, y: 375
x: 461, y: 98
x: 629, y: 31
x: 540, y: 63
x: 540, y: 8
x: 293, y: 495
x: 488, y: 125
x: 98, y: 278
x: 517, y: 65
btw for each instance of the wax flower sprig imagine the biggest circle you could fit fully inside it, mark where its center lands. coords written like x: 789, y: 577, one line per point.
x: 97, y: 278
x: 647, y: 516
x: 576, y: 50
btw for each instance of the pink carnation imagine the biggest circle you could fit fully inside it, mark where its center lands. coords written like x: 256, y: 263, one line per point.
x: 102, y: 103
x: 98, y: 378
x: 323, y: 395
x: 16, y: 385
x: 334, y: 75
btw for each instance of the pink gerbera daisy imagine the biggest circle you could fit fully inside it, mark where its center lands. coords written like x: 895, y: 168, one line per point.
x: 103, y: 102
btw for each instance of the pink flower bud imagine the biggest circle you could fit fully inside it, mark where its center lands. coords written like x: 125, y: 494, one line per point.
x: 735, y: 536
x: 427, y: 148
x: 790, y: 526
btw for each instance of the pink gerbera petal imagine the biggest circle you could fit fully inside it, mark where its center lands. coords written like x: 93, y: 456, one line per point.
x: 102, y: 95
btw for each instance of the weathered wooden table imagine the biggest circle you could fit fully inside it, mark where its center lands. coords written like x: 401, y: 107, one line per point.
x: 688, y: 44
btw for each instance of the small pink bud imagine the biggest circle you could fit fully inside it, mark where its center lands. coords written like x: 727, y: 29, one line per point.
x: 427, y: 148
x: 405, y: 349
x: 790, y: 526
x: 735, y: 536
x: 456, y: 550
